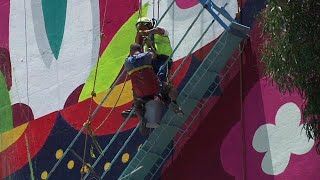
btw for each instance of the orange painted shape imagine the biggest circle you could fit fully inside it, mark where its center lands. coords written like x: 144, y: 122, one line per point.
x: 9, y: 137
x: 125, y: 95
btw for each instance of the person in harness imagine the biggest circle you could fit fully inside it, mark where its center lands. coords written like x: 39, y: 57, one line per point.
x: 145, y: 83
x: 156, y: 39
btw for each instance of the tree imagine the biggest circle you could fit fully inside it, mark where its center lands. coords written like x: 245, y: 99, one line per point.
x: 291, y: 53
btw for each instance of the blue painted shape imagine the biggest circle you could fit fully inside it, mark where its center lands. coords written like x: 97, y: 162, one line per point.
x: 60, y: 137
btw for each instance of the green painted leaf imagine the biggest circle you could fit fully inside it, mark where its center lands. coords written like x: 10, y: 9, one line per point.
x: 113, y: 57
x: 6, y: 120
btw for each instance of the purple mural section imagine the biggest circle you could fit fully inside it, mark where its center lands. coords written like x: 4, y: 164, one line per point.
x: 4, y: 23
x: 21, y: 114
x: 265, y: 105
x: 183, y: 4
x: 111, y: 19
x: 5, y: 65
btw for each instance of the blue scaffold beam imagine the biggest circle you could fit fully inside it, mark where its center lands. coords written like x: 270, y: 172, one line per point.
x: 212, y: 7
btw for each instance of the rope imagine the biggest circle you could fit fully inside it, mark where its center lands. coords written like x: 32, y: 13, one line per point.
x: 121, y: 149
x: 80, y: 159
x: 28, y: 99
x: 125, y: 81
x: 110, y: 142
x: 244, y: 152
x: 87, y: 124
x: 82, y: 129
x: 140, y: 8
x: 104, y: 16
x: 26, y: 52
x: 29, y: 158
x: 26, y: 115
x: 120, y: 128
x: 93, y: 94
x: 194, y: 117
x: 158, y: 10
x: 243, y: 127
x: 190, y: 52
x: 153, y: 4
x: 179, y: 43
x: 84, y: 157
x: 180, y: 68
x: 165, y: 12
x: 199, y: 39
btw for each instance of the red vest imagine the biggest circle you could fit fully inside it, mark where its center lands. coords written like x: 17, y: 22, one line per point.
x: 144, y: 82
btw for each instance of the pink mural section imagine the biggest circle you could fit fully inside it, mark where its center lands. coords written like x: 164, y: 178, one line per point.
x: 111, y: 19
x: 4, y: 24
x: 186, y: 4
x: 249, y: 130
x: 252, y: 131
x: 239, y: 154
x: 5, y: 65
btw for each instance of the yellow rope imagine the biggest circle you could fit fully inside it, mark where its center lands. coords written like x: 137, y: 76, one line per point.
x: 125, y: 81
x: 93, y: 94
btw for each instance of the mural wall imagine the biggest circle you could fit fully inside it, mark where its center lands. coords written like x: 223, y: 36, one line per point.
x: 55, y: 54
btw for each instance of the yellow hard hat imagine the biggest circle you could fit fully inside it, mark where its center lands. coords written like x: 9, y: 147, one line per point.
x: 144, y: 20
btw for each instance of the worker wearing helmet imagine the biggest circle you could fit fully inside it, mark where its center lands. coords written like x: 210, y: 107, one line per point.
x: 156, y: 39
x: 145, y: 83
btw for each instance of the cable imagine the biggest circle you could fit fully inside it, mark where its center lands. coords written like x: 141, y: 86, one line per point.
x: 83, y: 127
x: 120, y: 128
x: 125, y: 81
x: 29, y: 157
x: 117, y: 155
x: 26, y: 52
x: 190, y: 52
x: 110, y: 142
x: 244, y: 143
x: 132, y: 111
x: 179, y: 43
x: 153, y: 4
x: 158, y: 10
x: 140, y: 8
x: 84, y: 157
x: 93, y: 94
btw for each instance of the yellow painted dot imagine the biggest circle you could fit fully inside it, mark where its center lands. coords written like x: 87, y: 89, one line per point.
x: 70, y: 164
x: 125, y: 157
x: 44, y: 175
x: 107, y: 166
x: 139, y: 147
x: 59, y: 153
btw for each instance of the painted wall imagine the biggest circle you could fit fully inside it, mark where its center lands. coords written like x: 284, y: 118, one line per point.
x: 49, y: 53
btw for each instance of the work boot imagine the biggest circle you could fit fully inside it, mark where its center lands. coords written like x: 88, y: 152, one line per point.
x: 173, y: 106
x: 126, y: 113
x: 152, y: 125
x: 143, y: 128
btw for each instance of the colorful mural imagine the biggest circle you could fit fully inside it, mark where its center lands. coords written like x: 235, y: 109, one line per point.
x: 55, y: 54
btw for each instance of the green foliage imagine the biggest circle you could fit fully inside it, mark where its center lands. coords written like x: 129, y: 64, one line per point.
x: 291, y: 53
